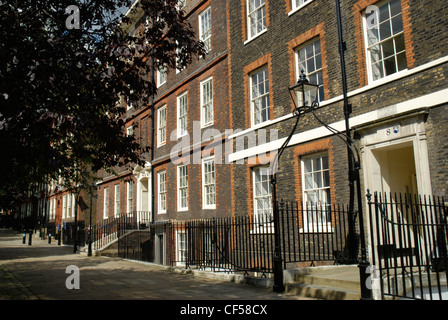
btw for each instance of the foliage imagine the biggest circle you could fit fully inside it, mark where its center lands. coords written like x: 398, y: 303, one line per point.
x: 60, y: 88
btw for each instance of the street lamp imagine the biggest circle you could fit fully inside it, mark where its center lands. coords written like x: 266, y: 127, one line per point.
x: 304, y: 97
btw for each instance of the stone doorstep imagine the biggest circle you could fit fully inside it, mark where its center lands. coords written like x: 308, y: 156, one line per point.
x: 322, y: 292
x: 343, y: 277
x: 326, y: 282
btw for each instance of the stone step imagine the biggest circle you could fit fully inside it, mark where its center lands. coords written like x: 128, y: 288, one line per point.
x: 322, y: 292
x: 327, y: 282
x: 345, y: 277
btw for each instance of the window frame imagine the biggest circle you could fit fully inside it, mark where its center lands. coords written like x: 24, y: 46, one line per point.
x: 130, y: 130
x: 248, y: 20
x: 181, y: 187
x: 368, y: 58
x: 313, y: 226
x: 50, y: 215
x: 179, y: 98
x: 208, y: 40
x: 161, y: 210
x: 129, y: 197
x: 206, y: 205
x: 74, y: 204
x: 181, y: 4
x: 64, y: 206
x: 161, y: 142
x: 161, y: 80
x: 69, y: 205
x: 116, y: 200
x: 254, y: 191
x: 204, y: 83
x: 267, y: 96
x: 295, y: 7
x: 181, y: 253
x: 179, y: 69
x: 55, y: 205
x: 129, y: 103
x: 106, y: 203
x: 320, y: 70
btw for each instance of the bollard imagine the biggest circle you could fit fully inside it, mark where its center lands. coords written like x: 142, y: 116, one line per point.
x: 24, y: 237
x: 49, y: 238
x: 30, y: 237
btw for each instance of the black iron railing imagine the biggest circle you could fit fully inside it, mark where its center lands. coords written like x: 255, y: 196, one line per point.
x: 135, y: 237
x: 312, y: 233
x: 240, y: 243
x: 409, y: 240
x: 108, y: 230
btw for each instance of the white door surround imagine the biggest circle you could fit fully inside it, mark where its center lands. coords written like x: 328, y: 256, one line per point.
x: 144, y: 192
x: 400, y: 138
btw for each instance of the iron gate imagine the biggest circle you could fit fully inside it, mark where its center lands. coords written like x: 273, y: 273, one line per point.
x: 409, y: 240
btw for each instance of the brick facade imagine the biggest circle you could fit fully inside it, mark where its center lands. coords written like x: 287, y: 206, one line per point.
x: 234, y: 57
x: 425, y: 76
x: 197, y: 141
x: 407, y: 110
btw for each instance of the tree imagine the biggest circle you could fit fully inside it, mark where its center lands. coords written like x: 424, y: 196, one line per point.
x: 62, y: 74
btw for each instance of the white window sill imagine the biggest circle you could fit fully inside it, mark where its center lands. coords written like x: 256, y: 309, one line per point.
x: 203, y: 126
x: 299, y: 8
x: 256, y: 36
x: 386, y: 79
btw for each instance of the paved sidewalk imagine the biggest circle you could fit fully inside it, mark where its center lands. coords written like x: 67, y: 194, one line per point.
x: 39, y: 272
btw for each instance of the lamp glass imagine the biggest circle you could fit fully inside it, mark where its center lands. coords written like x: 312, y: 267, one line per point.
x: 304, y: 94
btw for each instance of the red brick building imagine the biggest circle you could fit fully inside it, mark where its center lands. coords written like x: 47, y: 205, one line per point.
x: 191, y: 112
x: 237, y: 97
x: 396, y: 77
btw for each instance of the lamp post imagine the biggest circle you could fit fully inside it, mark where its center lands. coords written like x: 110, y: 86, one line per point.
x: 304, y: 95
x: 363, y: 265
x: 354, y: 168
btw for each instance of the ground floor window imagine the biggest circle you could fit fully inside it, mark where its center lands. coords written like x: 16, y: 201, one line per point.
x: 262, y: 192
x: 316, y: 191
x: 181, y: 245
